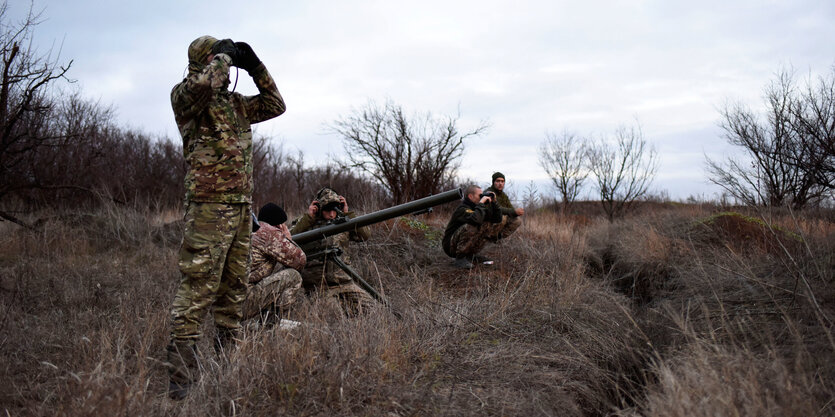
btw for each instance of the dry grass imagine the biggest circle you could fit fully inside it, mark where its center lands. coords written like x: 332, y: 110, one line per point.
x: 645, y: 316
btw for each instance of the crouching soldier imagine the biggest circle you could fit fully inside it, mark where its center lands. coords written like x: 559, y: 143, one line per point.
x: 323, y: 272
x: 475, y: 222
x: 510, y: 214
x: 274, y: 281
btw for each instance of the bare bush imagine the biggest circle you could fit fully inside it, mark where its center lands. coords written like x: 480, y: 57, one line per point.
x: 25, y: 102
x: 563, y: 157
x: 788, y: 156
x: 623, y: 170
x: 411, y: 156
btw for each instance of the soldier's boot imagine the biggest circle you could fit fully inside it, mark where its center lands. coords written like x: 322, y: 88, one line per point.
x: 182, y: 368
x: 463, y: 262
x: 482, y: 259
x: 226, y: 339
x: 271, y: 316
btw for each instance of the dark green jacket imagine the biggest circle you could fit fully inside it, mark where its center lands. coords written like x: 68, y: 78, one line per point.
x: 470, y: 213
x: 504, y: 202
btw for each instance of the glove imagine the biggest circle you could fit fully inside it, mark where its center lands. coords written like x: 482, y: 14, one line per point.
x: 246, y: 57
x: 226, y: 46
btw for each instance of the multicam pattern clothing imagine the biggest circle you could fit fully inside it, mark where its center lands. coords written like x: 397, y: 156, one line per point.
x: 270, y: 248
x: 215, y: 126
x: 217, y: 144
x: 469, y: 213
x: 214, y: 261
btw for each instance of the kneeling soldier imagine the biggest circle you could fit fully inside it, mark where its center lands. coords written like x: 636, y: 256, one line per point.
x: 324, y: 272
x: 274, y: 281
x: 510, y: 214
x: 475, y: 222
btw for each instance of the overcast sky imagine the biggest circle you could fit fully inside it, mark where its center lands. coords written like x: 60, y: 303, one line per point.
x: 527, y: 67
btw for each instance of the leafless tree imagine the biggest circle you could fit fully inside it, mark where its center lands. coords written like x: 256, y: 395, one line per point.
x: 411, y: 156
x: 27, y: 77
x: 623, y: 170
x: 563, y: 157
x: 814, y: 122
x: 783, y: 155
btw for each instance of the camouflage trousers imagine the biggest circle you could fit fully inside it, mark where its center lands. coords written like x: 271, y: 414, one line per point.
x: 353, y: 300
x: 334, y: 283
x: 279, y: 290
x: 214, y: 261
x: 469, y: 239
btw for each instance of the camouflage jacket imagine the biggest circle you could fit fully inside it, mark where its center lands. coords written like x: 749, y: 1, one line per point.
x: 470, y: 213
x: 305, y: 223
x: 504, y: 202
x: 270, y: 248
x: 215, y: 126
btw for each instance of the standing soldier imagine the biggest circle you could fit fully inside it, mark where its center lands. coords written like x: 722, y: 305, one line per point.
x: 217, y: 144
x: 510, y: 215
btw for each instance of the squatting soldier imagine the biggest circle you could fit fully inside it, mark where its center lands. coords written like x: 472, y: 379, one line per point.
x: 510, y: 215
x: 275, y: 281
x: 217, y: 144
x: 475, y: 222
x: 323, y: 273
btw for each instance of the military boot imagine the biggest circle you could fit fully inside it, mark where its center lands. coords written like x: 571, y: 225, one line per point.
x: 182, y: 368
x: 226, y: 339
x: 482, y: 259
x: 463, y: 262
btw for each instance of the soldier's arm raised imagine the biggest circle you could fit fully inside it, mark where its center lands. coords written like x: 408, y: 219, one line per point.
x: 191, y: 96
x: 268, y: 103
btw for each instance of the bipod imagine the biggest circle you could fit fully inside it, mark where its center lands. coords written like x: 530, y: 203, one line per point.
x: 335, y: 253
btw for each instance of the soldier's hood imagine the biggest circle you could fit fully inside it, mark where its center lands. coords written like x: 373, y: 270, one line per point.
x: 198, y: 53
x: 327, y: 197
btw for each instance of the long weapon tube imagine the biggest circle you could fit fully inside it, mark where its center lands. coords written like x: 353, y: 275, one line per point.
x: 378, y: 216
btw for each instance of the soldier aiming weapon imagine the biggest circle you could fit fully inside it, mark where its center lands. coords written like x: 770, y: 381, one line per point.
x: 324, y: 232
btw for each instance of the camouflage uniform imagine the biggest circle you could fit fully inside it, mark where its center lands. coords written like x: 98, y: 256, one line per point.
x: 510, y: 220
x: 275, y: 279
x: 323, y: 274
x: 217, y: 144
x: 471, y: 226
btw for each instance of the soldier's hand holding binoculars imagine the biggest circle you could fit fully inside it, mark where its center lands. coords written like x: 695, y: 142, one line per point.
x: 487, y: 197
x: 241, y: 53
x: 247, y: 59
x: 226, y: 46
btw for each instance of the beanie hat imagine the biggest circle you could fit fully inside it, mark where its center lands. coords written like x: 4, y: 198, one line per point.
x: 272, y: 214
x: 497, y: 175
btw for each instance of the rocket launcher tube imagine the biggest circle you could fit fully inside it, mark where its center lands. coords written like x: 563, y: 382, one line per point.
x: 378, y: 216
